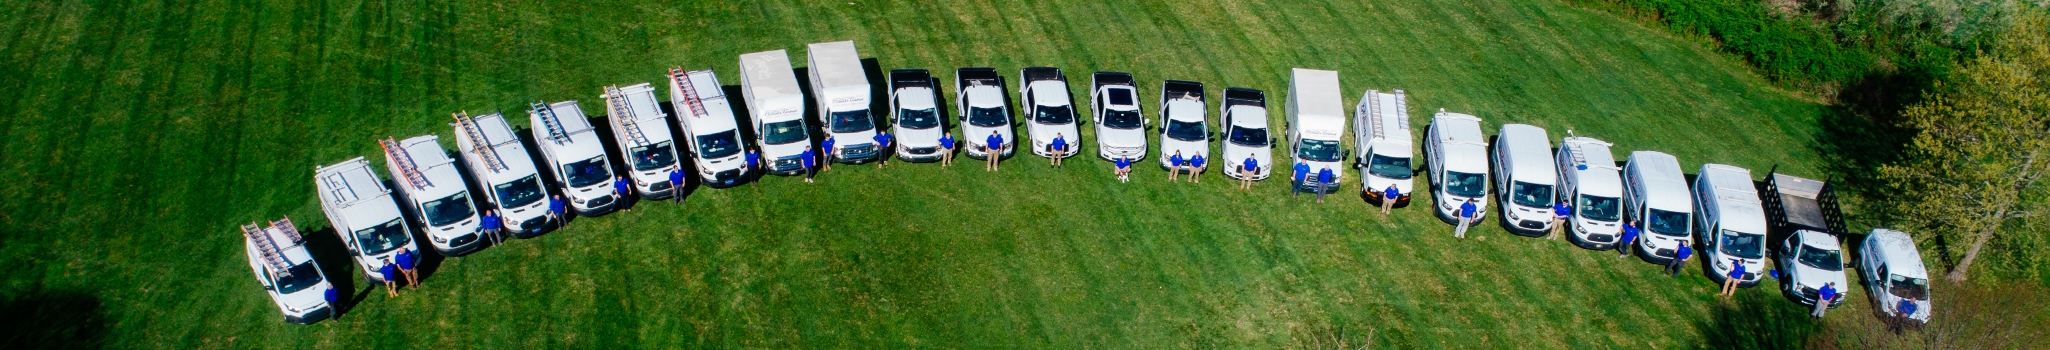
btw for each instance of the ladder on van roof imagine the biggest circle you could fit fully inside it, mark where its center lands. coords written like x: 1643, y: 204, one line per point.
x: 690, y: 92
x: 616, y: 102
x: 1374, y: 114
x: 478, y: 145
x: 550, y: 122
x: 267, y: 249
x: 399, y: 157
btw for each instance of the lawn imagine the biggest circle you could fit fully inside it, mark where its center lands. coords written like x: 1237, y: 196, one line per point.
x: 136, y: 135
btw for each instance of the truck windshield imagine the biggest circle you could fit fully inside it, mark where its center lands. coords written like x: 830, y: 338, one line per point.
x: 586, y: 172
x: 785, y: 132
x: 1185, y: 131
x: 918, y: 118
x: 448, y: 210
x: 1531, y: 195
x: 302, y: 276
x: 1054, y: 116
x: 1599, y: 208
x: 1666, y: 223
x: 381, y: 238
x: 987, y: 116
x: 652, y: 156
x: 1464, y: 184
x: 1743, y: 245
x: 1318, y: 150
x: 852, y: 121
x: 519, y: 193
x: 1908, y: 287
x: 1245, y: 136
x: 718, y: 145
x: 1829, y: 260
x: 1389, y: 167
x: 1126, y: 120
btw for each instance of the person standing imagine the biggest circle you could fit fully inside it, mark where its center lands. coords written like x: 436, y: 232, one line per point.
x: 1388, y: 198
x: 754, y: 161
x: 1466, y: 211
x: 810, y: 167
x: 407, y: 259
x: 558, y: 210
x: 1124, y: 170
x: 1560, y: 212
x: 1174, y: 167
x: 1731, y: 280
x: 1822, y: 299
x: 1302, y: 170
x: 1903, y: 312
x: 992, y: 148
x: 1679, y: 262
x: 1629, y: 237
x: 1246, y: 172
x: 1059, y: 148
x: 489, y: 223
x: 883, y: 149
x: 676, y: 183
x: 391, y: 278
x: 1196, y: 166
x: 826, y: 153
x: 334, y: 299
x: 946, y: 149
x: 626, y: 191
x: 1324, y: 180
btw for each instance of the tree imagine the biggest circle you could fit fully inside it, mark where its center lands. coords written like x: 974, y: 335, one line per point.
x: 1983, y: 146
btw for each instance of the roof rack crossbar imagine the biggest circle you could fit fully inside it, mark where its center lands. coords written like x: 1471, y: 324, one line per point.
x: 483, y: 149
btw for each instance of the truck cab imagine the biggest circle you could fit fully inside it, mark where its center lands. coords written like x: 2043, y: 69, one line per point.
x: 1049, y: 108
x: 1316, y: 124
x: 1809, y: 260
x: 277, y: 254
x: 1381, y: 132
x: 1655, y: 196
x: 433, y: 192
x: 642, y: 132
x: 363, y: 214
x: 776, y: 108
x: 709, y: 128
x: 1732, y: 223
x: 1893, y: 272
x: 1185, y: 125
x: 1457, y: 157
x: 503, y: 169
x: 917, y: 122
x: 982, y: 111
x: 1525, y: 179
x: 1120, y: 127
x: 1588, y: 179
x: 1243, y: 116
x: 575, y: 156
x: 841, y: 89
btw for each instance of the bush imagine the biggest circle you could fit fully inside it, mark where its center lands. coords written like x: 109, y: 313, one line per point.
x: 1784, y: 50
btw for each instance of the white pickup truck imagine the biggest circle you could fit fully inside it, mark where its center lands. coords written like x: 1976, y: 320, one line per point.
x: 917, y: 122
x: 1050, y: 109
x: 1185, y: 123
x: 982, y: 111
x: 1243, y: 117
x: 1120, y: 126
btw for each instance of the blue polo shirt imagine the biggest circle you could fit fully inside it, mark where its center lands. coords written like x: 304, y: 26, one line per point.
x: 947, y: 141
x: 994, y: 142
x: 1124, y: 162
x: 1391, y: 192
x: 1561, y: 209
x: 1175, y: 160
x: 1466, y: 210
x: 1906, y: 307
x: 390, y: 272
x: 1060, y: 143
x: 676, y: 176
x: 405, y: 260
x: 1826, y: 293
x: 331, y: 295
x: 1324, y: 175
x: 488, y: 222
x: 622, y: 186
x: 754, y: 159
x: 1251, y: 165
x: 826, y: 146
x: 1301, y: 170
x: 1737, y: 272
x: 882, y: 140
x: 555, y: 205
x: 1629, y: 233
x: 1684, y: 252
x: 1196, y: 161
x: 806, y: 158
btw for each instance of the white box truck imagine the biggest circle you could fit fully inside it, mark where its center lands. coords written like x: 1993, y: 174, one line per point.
x: 1893, y: 272
x: 505, y: 171
x: 277, y: 254
x: 576, y: 158
x: 1732, y: 223
x: 916, y: 119
x: 1525, y: 177
x: 841, y: 88
x: 363, y: 214
x: 642, y: 132
x: 1589, y: 179
x: 1243, y: 116
x: 776, y: 107
x: 1457, y: 161
x: 1381, y: 134
x: 710, y: 131
x: 1050, y: 108
x: 433, y: 192
x: 1655, y: 196
x: 1185, y: 122
x: 1316, y: 124
x: 1120, y: 127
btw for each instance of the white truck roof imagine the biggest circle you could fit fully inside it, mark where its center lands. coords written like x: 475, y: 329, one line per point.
x: 1736, y: 201
x: 711, y: 113
x: 578, y: 141
x: 771, y: 86
x: 641, y: 110
x: 1601, y: 177
x: 439, y: 171
x: 278, y: 245
x: 843, y: 83
x: 499, y: 143
x: 1528, y: 142
x: 1382, y: 122
x: 1465, y: 149
x: 1901, y: 256
x: 1665, y: 185
x: 1319, y: 95
x: 345, y: 184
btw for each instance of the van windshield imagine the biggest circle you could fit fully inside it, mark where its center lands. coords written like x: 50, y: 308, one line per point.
x: 1825, y: 259
x: 381, y: 238
x: 1121, y: 119
x: 918, y: 118
x: 1666, y: 222
x: 1464, y: 184
x: 987, y: 116
x: 1185, y: 131
x: 1054, y: 116
x: 783, y: 132
x: 519, y: 193
x: 1245, y: 136
x: 586, y: 172
x: 852, y: 121
x: 1599, y: 208
x: 302, y: 276
x: 1908, y: 287
x: 652, y: 156
x: 718, y: 145
x: 448, y: 210
x: 1531, y: 195
x: 1389, y: 167
x: 1318, y: 150
x: 1743, y: 245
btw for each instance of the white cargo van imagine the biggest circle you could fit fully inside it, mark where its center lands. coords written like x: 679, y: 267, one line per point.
x: 917, y: 121
x: 1120, y: 127
x: 776, y: 107
x: 1381, y: 132
x: 277, y: 254
x: 709, y: 129
x: 432, y: 191
x: 1893, y: 272
x: 575, y: 156
x: 1316, y: 124
x: 1809, y: 260
x: 1243, y: 116
x: 841, y: 88
x: 1588, y: 179
x: 363, y: 214
x: 980, y: 98
x: 1655, y: 196
x: 1185, y: 125
x: 1050, y: 109
x: 642, y: 132
x: 505, y: 171
x: 1525, y: 178
x: 1457, y: 157
x: 1732, y: 222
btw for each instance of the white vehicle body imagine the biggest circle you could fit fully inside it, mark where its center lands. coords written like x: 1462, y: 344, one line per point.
x: 1316, y: 125
x: 1526, y: 179
x: 1184, y: 122
x: 363, y: 214
x: 915, y: 118
x: 1655, y: 196
x: 1811, y: 259
x: 1589, y: 181
x: 843, y: 99
x: 1893, y: 271
x: 1732, y: 222
x: 277, y: 254
x: 647, y: 150
x: 575, y: 155
x: 433, y: 191
x: 710, y: 131
x: 1049, y: 110
x: 1243, y: 118
x: 1381, y: 134
x: 981, y: 102
x: 776, y: 107
x: 1457, y: 155
x: 1120, y: 125
x: 505, y: 172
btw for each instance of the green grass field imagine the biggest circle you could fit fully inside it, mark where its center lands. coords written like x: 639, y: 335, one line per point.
x: 136, y: 135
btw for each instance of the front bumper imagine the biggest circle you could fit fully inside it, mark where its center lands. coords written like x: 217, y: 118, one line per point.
x: 791, y: 165
x: 1110, y: 153
x: 857, y: 154
x: 1310, y: 185
x: 1258, y: 175
x: 530, y: 227
x: 981, y: 153
x: 595, y: 206
x: 459, y: 245
x: 723, y: 179
x: 310, y: 317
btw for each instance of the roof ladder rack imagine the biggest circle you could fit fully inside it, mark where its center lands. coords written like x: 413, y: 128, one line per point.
x: 284, y: 225
x: 267, y: 249
x: 478, y: 145
x: 616, y: 102
x: 550, y: 122
x: 404, y: 161
x: 1578, y: 158
x: 1374, y: 112
x: 690, y: 93
x: 1401, y: 108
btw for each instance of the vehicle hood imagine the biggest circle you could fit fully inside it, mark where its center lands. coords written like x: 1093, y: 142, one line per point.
x: 917, y: 138
x: 1235, y: 155
x: 771, y: 152
x: 1043, y: 134
x: 1121, y: 137
x: 1378, y: 183
x: 1812, y: 277
x: 1169, y: 145
x: 313, y: 297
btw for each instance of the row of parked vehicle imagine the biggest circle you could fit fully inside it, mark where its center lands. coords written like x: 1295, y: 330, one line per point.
x: 1528, y: 173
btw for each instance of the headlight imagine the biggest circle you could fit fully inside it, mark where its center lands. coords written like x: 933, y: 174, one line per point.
x: 1719, y: 265
x: 578, y: 200
x: 438, y: 239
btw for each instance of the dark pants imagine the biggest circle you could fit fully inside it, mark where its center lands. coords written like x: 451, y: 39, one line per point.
x: 1297, y: 189
x: 1623, y: 248
x: 1321, y: 188
x: 810, y: 172
x: 1673, y: 267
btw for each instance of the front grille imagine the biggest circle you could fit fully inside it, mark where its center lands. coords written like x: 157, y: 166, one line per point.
x: 726, y: 175
x: 788, y: 163
x: 1534, y: 225
x: 921, y: 150
x: 1663, y: 253
x: 1600, y: 237
x: 862, y: 151
x: 462, y: 240
x: 1811, y: 294
x: 600, y: 201
x: 534, y: 223
x: 1750, y: 276
x: 659, y: 187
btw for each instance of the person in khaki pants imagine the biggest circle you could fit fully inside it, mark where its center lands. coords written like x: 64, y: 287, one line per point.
x: 1388, y: 198
x: 1246, y: 172
x: 1560, y: 212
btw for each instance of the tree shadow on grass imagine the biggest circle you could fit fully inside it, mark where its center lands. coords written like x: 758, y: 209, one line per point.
x: 52, y: 320
x: 1757, y: 318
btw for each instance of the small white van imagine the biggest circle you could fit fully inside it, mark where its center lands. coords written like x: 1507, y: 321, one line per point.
x: 434, y: 193
x: 505, y: 172
x: 1655, y: 196
x: 1732, y: 223
x: 1525, y: 176
x: 287, y: 272
x: 575, y: 156
x: 1458, y: 157
x: 709, y: 128
x: 363, y: 213
x: 1893, y: 272
x: 1588, y: 180
x: 1381, y: 133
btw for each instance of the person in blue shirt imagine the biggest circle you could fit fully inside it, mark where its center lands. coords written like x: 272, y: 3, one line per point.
x: 1730, y: 280
x: 1679, y: 262
x: 1057, y: 149
x: 1388, y: 196
x: 1174, y: 167
x: 407, y: 259
x: 1822, y: 299
x: 946, y: 149
x: 993, y: 148
x: 334, y: 299
x: 1325, y: 179
x: 390, y: 273
x: 827, y: 152
x: 1302, y: 170
x: 676, y: 183
x: 488, y: 223
x: 754, y: 161
x: 625, y: 190
x: 1466, y: 211
x: 1196, y: 167
x: 1124, y: 170
x: 1246, y: 171
x: 807, y: 160
x: 1629, y: 238
x: 1560, y: 212
x: 558, y: 209
x: 1904, y: 313
x: 883, y: 149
